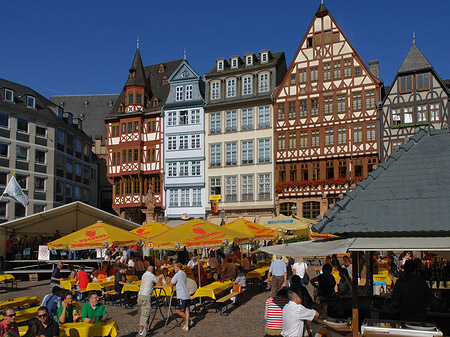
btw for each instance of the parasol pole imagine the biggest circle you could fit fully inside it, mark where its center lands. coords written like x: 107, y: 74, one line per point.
x: 198, y: 267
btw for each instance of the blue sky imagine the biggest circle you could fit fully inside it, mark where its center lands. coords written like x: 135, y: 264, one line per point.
x: 86, y: 47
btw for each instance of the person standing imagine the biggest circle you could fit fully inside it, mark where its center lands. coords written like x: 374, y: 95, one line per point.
x: 278, y: 272
x: 48, y: 326
x: 145, y: 298
x: 294, y: 313
x: 9, y: 322
x: 300, y: 268
x: 347, y: 265
x: 183, y: 297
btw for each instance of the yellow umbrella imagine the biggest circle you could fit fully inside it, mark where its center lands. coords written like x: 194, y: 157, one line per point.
x: 289, y: 223
x: 151, y: 229
x: 96, y: 236
x: 253, y: 230
x: 195, y: 233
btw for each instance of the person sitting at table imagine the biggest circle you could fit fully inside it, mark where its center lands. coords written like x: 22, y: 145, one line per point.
x: 294, y: 313
x: 52, y: 301
x: 113, y: 270
x: 229, y: 269
x: 334, y: 261
x: 164, y: 277
x: 240, y: 278
x: 56, y: 277
x: 123, y: 255
x: 348, y: 266
x: 145, y: 298
x: 9, y: 321
x: 245, y: 263
x: 119, y: 281
x: 215, y: 275
x: 183, y: 297
x: 344, y: 287
x: 325, y: 283
x: 212, y: 261
x: 193, y: 261
x: 92, y: 311
x: 33, y: 328
x: 94, y: 275
x: 67, y: 312
x: 273, y: 313
x: 102, y: 274
x: 165, y: 260
x: 72, y: 272
x: 48, y: 327
x: 298, y: 287
x: 82, y: 281
x: 139, y: 267
x: 132, y: 263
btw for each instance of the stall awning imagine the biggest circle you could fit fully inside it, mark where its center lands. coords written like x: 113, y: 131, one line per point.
x: 310, y: 248
x: 401, y: 243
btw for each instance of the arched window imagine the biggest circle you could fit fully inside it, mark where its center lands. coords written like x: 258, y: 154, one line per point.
x: 130, y: 98
x: 288, y: 208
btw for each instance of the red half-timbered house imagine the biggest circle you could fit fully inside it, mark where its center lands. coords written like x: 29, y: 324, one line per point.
x: 326, y: 117
x: 134, y: 142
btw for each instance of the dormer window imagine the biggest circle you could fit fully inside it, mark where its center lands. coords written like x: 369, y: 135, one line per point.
x: 60, y: 112
x: 264, y: 58
x: 121, y: 108
x: 164, y: 80
x: 234, y: 63
x: 31, y: 102
x: 219, y: 65
x: 155, y: 101
x: 161, y: 68
x: 9, y: 95
x: 248, y: 60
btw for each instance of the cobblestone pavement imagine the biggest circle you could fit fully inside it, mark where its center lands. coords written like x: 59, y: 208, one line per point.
x: 244, y: 320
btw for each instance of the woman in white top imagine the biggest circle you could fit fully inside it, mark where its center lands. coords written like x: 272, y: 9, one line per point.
x: 299, y: 268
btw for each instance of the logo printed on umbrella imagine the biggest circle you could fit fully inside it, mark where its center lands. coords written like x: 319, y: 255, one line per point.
x: 198, y: 230
x: 90, y: 233
x: 140, y: 230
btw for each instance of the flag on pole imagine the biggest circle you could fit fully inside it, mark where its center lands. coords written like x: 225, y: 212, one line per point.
x: 14, y: 191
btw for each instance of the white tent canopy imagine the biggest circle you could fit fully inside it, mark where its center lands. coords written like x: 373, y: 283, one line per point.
x: 310, y: 248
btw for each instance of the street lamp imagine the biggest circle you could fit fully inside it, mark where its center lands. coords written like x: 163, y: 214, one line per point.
x: 222, y: 215
x: 294, y: 209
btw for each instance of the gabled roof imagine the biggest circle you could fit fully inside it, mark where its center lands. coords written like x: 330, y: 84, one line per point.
x: 138, y: 69
x: 414, y: 61
x: 407, y: 195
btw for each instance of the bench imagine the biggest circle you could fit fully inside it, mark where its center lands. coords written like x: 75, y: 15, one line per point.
x: 225, y: 299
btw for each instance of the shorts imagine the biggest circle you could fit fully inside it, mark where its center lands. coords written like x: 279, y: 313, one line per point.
x: 183, y: 304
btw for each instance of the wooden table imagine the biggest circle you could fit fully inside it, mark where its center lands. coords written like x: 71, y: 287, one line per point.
x: 97, y: 286
x: 211, y: 290
x: 132, y: 287
x: 258, y: 273
x: 68, y: 284
x: 82, y: 329
x: 20, y: 301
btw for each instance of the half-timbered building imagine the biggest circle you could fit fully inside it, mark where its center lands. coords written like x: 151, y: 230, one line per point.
x: 326, y: 128
x: 417, y: 98
x: 134, y: 141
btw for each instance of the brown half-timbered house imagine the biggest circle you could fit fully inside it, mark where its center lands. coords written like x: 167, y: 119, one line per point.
x: 134, y: 142
x: 326, y: 127
x: 417, y: 98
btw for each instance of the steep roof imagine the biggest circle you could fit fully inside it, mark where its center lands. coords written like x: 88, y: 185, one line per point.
x: 414, y: 61
x: 407, y: 195
x: 92, y: 109
x: 137, y: 68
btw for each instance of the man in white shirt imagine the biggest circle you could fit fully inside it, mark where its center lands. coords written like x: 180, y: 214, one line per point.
x: 124, y: 257
x: 183, y: 297
x: 145, y: 298
x: 294, y: 313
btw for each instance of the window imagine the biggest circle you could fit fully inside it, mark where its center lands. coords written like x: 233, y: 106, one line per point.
x: 247, y: 152
x: 247, y: 85
x: 264, y: 187
x: 247, y: 119
x: 370, y: 100
x: 135, y: 155
x: 315, y: 107
x: 195, y: 168
x: 316, y: 171
x: 264, y: 151
x: 422, y: 113
x: 22, y: 181
x: 171, y: 143
x: 19, y: 210
x: 357, y: 71
x: 291, y: 110
x: 358, y: 168
x: 408, y: 115
x: 184, y: 169
x: 31, y: 102
x: 215, y: 155
x: 231, y: 121
x: 195, y: 116
x: 136, y: 126
x: 370, y: 132
x: 179, y: 93
x: 215, y: 122
x: 173, y: 198
x: 357, y: 102
x: 130, y: 155
x: 124, y: 156
x: 249, y: 60
x: 130, y: 98
x: 4, y: 120
x: 282, y: 174
x: 264, y: 82
x: 302, y: 76
x: 9, y: 95
x: 3, y: 150
x: 371, y: 164
x: 293, y: 172
x: 188, y: 92
x: 234, y: 63
x: 172, y: 169
x: 196, y: 197
x: 78, y: 146
x: 288, y: 207
x: 435, y: 112
x: 396, y: 116
x: 185, y: 197
x: 264, y: 58
x: 314, y: 74
x: 337, y: 70
x: 328, y: 105
x: 292, y: 79
x: 341, y: 106
x: 327, y: 72
x: 247, y: 187
x: 215, y: 186
x: 172, y: 118
x: 281, y: 141
x: 22, y: 125
x: 311, y: 209
x: 39, y: 184
x: 304, y: 172
x: 292, y: 140
x: 77, y: 193
x: 329, y: 136
x: 184, y: 142
x: 342, y: 135
x: 183, y: 117
x: 38, y: 208
x: 315, y: 138
x: 215, y: 90
x: 195, y: 141
x: 423, y: 81
x: 357, y: 133
x: 347, y: 68
x: 303, y: 139
x: 3, y: 205
x: 138, y: 97
x: 220, y: 65
x: 130, y: 126
x: 231, y: 154
x: 231, y: 87
x: 280, y: 115
x: 22, y: 153
x: 342, y: 169
x: 302, y: 108
x: 406, y: 83
x: 124, y: 127
x: 230, y: 188
x: 329, y: 170
x: 264, y: 117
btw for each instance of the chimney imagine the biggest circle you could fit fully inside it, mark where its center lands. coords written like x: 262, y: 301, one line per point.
x: 373, y: 67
